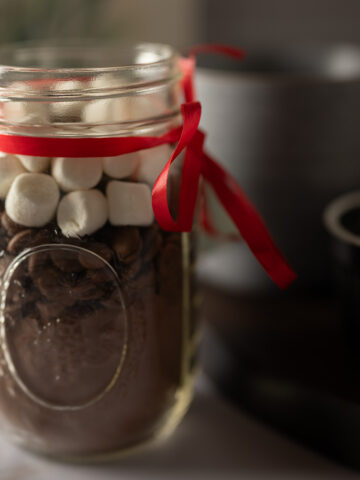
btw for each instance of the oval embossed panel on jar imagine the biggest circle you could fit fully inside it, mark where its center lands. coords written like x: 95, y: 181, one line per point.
x: 64, y: 329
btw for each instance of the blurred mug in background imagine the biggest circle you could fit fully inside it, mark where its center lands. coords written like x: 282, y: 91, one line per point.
x: 285, y: 123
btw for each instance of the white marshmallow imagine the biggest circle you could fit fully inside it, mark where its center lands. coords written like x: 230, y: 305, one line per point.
x: 29, y: 112
x: 66, y: 109
x: 32, y: 199
x: 109, y: 110
x: 10, y: 168
x: 77, y: 173
x: 129, y: 203
x: 122, y: 109
x: 152, y: 161
x: 122, y: 166
x: 145, y: 107
x: 68, y: 86
x: 34, y: 164
x: 82, y: 213
x: 106, y: 81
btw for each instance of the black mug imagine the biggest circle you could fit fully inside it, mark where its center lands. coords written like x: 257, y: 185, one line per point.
x: 342, y: 221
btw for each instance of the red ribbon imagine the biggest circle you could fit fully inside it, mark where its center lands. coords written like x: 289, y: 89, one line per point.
x: 245, y: 217
x: 196, y: 164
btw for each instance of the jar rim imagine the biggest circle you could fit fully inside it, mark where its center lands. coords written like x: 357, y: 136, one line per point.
x: 142, y: 77
x: 13, y: 56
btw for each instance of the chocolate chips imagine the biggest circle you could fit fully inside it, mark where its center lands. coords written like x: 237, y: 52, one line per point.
x: 152, y: 242
x: 10, y: 227
x: 55, y: 286
x: 94, y: 263
x: 27, y: 239
x: 66, y: 261
x: 21, y: 241
x: 74, y: 270
x: 126, y: 243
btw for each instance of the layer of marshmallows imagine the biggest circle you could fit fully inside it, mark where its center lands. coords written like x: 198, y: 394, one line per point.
x: 100, y: 113
x: 37, y: 190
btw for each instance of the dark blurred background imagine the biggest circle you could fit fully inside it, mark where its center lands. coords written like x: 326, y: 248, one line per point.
x: 280, y: 22
x: 183, y: 22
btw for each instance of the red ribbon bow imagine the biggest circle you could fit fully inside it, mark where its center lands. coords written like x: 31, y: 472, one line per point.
x: 196, y: 164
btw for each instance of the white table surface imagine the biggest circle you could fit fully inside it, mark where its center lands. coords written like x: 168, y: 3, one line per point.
x: 215, y: 441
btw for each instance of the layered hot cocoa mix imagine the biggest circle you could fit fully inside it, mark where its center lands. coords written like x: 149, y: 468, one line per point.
x: 95, y: 333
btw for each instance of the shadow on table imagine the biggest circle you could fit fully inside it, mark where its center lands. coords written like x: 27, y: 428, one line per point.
x: 217, y: 439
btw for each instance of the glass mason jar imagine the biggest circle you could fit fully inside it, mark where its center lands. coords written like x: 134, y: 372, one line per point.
x: 97, y: 340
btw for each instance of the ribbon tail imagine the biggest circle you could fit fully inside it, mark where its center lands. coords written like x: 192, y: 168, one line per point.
x: 248, y: 222
x: 190, y: 175
x: 218, y: 48
x: 207, y: 223
x: 187, y: 64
